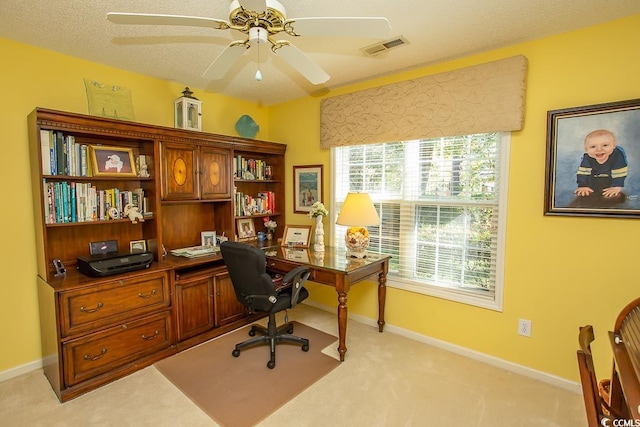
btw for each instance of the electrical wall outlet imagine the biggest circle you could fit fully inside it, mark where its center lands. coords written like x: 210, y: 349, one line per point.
x: 524, y: 327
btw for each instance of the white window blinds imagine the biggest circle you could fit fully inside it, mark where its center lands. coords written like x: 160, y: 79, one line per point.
x: 439, y: 203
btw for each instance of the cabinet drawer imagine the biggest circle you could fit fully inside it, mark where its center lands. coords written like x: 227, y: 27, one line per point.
x: 112, y: 302
x: 104, y: 351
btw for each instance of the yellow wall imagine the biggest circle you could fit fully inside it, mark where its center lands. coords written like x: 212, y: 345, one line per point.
x: 30, y: 78
x: 553, y: 276
x: 562, y: 272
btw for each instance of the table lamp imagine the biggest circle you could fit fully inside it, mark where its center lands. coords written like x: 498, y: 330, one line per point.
x: 356, y: 213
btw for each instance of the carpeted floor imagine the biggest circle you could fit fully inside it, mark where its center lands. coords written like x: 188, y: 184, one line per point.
x: 242, y: 391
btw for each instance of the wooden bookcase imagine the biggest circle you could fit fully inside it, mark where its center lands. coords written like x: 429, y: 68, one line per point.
x: 95, y: 330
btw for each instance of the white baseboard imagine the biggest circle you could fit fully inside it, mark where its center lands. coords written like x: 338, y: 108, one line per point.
x: 545, y: 377
x: 19, y: 370
x: 472, y: 354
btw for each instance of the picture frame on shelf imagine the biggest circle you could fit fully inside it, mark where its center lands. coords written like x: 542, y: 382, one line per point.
x: 245, y: 229
x: 112, y: 161
x: 137, y: 246
x: 307, y: 187
x: 208, y: 238
x: 588, y: 149
x: 296, y: 236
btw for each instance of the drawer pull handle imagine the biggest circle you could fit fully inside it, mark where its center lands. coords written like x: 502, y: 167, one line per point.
x: 91, y: 310
x: 87, y: 357
x: 146, y: 338
x: 153, y: 292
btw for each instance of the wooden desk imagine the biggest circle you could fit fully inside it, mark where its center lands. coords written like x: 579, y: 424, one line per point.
x: 333, y: 268
x: 625, y: 378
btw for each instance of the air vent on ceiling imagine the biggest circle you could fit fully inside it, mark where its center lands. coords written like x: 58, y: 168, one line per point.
x: 377, y: 48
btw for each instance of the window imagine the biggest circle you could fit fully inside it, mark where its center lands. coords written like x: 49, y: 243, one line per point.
x: 442, y: 204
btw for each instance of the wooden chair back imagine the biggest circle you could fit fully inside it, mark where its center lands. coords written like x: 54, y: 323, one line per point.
x: 595, y: 405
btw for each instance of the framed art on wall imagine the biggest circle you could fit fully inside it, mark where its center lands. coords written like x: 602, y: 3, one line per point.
x: 593, y: 160
x: 307, y: 187
x: 112, y: 161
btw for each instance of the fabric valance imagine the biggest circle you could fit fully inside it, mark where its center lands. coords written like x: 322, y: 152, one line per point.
x: 484, y: 98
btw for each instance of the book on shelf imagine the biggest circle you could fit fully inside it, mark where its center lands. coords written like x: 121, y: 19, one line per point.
x: 81, y: 202
x: 245, y: 168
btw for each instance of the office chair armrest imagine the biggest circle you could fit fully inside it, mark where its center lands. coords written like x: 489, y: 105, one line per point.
x: 296, y: 279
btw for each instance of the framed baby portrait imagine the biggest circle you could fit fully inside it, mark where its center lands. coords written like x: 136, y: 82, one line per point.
x: 593, y: 160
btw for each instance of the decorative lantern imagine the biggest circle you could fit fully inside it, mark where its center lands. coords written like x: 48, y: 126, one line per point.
x: 188, y: 111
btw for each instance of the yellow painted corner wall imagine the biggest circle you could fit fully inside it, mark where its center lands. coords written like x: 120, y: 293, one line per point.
x: 561, y: 272
x: 30, y: 78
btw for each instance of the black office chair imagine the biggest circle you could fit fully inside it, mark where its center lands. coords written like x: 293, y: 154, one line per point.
x: 255, y: 289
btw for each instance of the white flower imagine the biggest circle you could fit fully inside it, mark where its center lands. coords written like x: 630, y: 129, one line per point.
x: 318, y: 209
x: 270, y: 225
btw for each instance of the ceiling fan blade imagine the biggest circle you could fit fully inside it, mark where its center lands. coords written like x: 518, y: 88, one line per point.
x: 375, y: 28
x: 223, y: 62
x: 154, y: 19
x: 254, y: 5
x: 303, y: 64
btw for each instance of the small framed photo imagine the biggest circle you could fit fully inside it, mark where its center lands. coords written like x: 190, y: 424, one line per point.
x: 591, y: 156
x: 208, y: 238
x: 112, y: 161
x: 307, y: 187
x: 137, y: 246
x: 245, y: 229
x: 296, y: 236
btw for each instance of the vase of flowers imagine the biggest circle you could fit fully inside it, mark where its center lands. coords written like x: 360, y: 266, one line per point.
x: 318, y: 211
x: 270, y: 225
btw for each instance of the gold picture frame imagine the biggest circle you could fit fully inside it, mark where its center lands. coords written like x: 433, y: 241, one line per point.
x: 112, y: 161
x: 296, y: 236
x: 137, y: 246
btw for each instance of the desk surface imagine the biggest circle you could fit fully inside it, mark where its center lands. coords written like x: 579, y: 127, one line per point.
x: 332, y: 258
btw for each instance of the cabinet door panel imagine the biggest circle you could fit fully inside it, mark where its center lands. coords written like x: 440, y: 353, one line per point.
x: 227, y: 307
x: 179, y: 172
x: 214, y: 173
x: 195, y: 307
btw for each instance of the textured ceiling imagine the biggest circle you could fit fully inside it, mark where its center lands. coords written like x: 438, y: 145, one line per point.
x: 437, y: 30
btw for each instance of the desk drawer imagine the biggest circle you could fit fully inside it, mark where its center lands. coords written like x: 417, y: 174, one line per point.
x: 111, y: 302
x: 104, y: 351
x: 280, y: 266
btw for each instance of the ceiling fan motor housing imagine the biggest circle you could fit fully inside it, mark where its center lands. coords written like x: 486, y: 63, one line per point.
x: 272, y: 18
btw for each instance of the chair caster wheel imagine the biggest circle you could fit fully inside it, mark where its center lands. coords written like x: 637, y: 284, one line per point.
x: 252, y: 333
x: 305, y: 347
x: 290, y: 330
x: 271, y: 364
x: 235, y: 353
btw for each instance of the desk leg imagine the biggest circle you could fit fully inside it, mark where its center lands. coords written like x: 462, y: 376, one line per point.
x: 382, y: 298
x: 342, y: 324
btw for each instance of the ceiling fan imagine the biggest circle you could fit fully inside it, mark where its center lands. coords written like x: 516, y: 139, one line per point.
x: 260, y: 20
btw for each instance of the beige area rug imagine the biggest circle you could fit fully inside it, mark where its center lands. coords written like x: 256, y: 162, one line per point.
x: 242, y: 391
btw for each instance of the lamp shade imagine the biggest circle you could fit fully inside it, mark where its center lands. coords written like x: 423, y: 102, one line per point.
x: 358, y: 209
